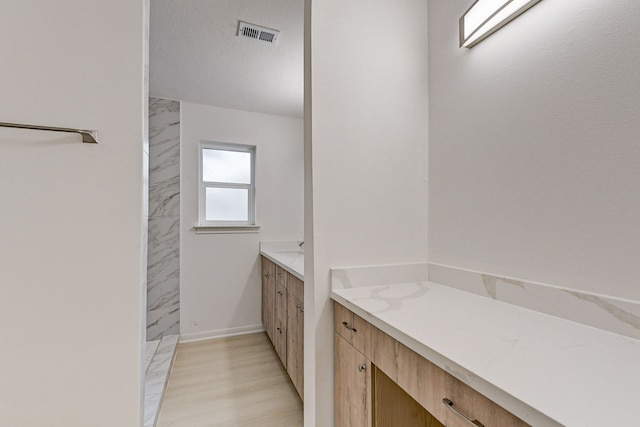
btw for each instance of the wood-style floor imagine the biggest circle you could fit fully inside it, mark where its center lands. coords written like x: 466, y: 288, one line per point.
x: 230, y: 382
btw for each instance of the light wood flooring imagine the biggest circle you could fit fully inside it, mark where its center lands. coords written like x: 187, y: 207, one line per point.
x: 230, y: 382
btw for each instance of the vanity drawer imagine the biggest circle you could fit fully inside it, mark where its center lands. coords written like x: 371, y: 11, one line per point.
x: 466, y: 402
x: 342, y: 317
x: 430, y: 385
x: 423, y: 381
x: 353, y: 328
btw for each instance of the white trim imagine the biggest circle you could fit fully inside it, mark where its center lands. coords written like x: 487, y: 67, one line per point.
x: 226, y: 229
x: 221, y: 333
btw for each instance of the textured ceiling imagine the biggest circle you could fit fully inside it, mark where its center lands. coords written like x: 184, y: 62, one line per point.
x: 195, y: 55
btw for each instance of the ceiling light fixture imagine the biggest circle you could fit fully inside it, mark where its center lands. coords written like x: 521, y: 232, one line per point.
x: 485, y: 17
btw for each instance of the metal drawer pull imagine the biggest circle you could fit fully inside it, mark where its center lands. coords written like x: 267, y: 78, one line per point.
x: 362, y: 367
x: 279, y: 292
x: 449, y: 403
x: 267, y: 275
x: 346, y: 325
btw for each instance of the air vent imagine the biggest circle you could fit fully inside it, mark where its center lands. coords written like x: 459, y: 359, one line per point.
x: 257, y: 32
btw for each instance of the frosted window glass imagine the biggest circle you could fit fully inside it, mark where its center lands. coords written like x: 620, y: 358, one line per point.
x: 227, y: 204
x: 226, y: 166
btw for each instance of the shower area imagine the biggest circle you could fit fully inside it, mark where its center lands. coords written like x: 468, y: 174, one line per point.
x: 163, y: 261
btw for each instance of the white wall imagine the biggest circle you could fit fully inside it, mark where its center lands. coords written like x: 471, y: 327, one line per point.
x: 71, y: 225
x: 534, y: 154
x: 220, y: 289
x: 367, y: 158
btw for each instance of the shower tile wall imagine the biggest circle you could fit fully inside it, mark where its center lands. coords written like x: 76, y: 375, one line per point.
x: 163, y: 271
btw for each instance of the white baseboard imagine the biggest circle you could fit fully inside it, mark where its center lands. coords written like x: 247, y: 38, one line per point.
x: 221, y: 333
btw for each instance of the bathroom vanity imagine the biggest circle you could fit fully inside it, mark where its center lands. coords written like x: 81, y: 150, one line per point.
x: 378, y: 381
x: 283, y: 305
x: 419, y: 353
x: 462, y: 360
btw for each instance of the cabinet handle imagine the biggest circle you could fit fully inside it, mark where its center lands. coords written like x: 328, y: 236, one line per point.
x: 362, y: 367
x: 279, y: 330
x: 449, y: 404
x: 346, y: 325
x: 280, y: 293
x: 267, y: 275
x: 279, y: 274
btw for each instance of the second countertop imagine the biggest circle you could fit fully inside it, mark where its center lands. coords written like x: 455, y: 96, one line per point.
x: 546, y: 370
x: 288, y: 255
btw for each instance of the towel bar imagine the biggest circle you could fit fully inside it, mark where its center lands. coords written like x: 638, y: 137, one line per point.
x: 88, y: 136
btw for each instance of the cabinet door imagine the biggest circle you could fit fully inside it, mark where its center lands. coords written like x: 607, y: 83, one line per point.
x: 281, y: 323
x: 352, y: 386
x: 280, y: 342
x: 295, y: 342
x: 268, y: 297
x: 281, y: 303
x: 281, y: 276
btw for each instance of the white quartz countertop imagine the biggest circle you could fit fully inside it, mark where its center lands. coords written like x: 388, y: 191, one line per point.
x: 546, y: 370
x: 288, y: 255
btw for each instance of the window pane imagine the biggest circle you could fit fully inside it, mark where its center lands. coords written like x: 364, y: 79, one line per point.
x: 226, y: 166
x: 227, y: 204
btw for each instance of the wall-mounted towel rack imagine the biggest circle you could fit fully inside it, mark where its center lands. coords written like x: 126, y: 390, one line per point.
x: 88, y: 136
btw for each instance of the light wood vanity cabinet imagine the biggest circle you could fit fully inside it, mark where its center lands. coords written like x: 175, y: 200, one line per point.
x: 424, y: 384
x: 283, y: 318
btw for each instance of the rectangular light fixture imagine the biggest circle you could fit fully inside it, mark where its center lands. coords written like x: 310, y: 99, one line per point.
x: 485, y: 17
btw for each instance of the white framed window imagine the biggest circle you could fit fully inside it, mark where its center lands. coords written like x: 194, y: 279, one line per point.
x: 226, y: 194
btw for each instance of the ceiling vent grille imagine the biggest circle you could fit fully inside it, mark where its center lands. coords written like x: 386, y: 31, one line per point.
x: 257, y: 32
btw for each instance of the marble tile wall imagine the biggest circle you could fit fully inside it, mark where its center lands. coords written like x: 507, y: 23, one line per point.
x: 163, y: 270
x: 600, y: 311
x: 355, y: 277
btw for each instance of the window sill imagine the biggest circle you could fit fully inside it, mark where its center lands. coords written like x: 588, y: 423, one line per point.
x: 226, y: 229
